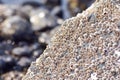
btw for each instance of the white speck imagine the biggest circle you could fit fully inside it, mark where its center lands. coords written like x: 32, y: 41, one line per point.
x: 117, y: 53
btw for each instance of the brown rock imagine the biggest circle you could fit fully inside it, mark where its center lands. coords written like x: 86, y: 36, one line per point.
x: 83, y: 49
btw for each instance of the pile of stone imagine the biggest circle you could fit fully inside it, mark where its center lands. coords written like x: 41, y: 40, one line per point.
x: 87, y: 47
x: 24, y: 33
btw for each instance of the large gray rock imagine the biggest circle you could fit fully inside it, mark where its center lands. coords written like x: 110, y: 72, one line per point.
x: 41, y: 18
x: 85, y: 48
x: 15, y: 26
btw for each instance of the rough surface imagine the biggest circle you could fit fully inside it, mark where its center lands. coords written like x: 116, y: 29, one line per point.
x: 85, y: 48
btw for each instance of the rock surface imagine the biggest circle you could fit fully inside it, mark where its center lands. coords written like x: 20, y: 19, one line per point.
x: 85, y: 48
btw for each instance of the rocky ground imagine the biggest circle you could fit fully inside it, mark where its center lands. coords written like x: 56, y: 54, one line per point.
x: 25, y: 30
x: 86, y: 47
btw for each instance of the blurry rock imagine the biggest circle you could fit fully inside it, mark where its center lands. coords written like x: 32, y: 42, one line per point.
x: 15, y: 26
x: 6, y: 46
x: 37, y: 53
x: 8, y: 11
x: 6, y: 62
x: 40, y: 18
x: 21, y: 51
x: 27, y: 9
x: 35, y: 46
x: 24, y: 62
x: 57, y: 11
x: 12, y: 75
x: 22, y: 43
x: 46, y: 36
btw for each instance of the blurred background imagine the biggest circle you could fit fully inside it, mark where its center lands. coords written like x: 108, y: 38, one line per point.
x: 26, y: 27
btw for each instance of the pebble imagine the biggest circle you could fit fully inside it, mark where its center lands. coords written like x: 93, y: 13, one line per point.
x: 21, y: 51
x: 37, y: 53
x: 24, y: 62
x: 44, y: 38
x: 6, y: 62
x: 15, y: 26
x: 35, y: 46
x: 92, y: 18
x: 41, y: 18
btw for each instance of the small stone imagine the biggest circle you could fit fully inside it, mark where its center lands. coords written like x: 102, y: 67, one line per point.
x: 21, y: 51
x: 6, y: 62
x: 24, y: 62
x: 92, y: 18
x: 44, y: 38
x: 41, y: 18
x: 37, y: 53
x: 15, y: 26
x: 35, y: 46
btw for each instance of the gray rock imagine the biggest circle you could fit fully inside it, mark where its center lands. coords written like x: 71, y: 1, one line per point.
x: 35, y: 46
x: 21, y: 51
x: 24, y: 62
x: 15, y: 26
x: 6, y: 62
x: 46, y: 36
x: 37, y: 53
x: 41, y: 18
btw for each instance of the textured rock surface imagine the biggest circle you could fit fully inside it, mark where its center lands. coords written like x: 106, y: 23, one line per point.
x: 85, y: 48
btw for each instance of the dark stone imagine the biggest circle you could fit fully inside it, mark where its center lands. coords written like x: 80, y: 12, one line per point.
x: 6, y: 62
x: 16, y: 26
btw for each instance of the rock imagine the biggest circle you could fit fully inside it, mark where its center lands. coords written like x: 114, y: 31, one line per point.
x: 37, y: 53
x: 24, y: 62
x: 12, y: 75
x: 21, y: 51
x: 35, y: 46
x: 40, y: 18
x: 57, y: 11
x: 15, y: 26
x: 46, y: 36
x: 6, y: 62
x: 6, y: 47
x: 83, y: 50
